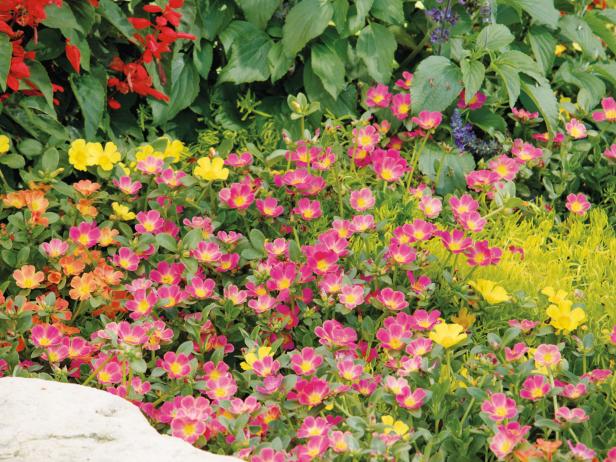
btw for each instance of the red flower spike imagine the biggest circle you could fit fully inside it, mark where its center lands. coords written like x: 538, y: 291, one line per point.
x: 73, y: 54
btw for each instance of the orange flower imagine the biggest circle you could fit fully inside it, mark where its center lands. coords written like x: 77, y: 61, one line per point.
x: 86, y: 187
x: 108, y: 274
x: 107, y: 237
x: 28, y: 278
x: 15, y: 200
x: 548, y: 447
x: 54, y: 277
x: 86, y: 208
x: 71, y: 265
x: 83, y: 286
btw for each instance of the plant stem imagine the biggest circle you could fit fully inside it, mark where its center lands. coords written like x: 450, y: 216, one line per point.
x: 97, y: 370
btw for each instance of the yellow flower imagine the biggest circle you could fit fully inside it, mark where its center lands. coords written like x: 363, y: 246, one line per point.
x: 398, y: 427
x: 174, y: 150
x: 78, y: 154
x: 564, y: 318
x: 447, y: 335
x: 559, y: 49
x: 5, y: 144
x: 147, y: 151
x: 122, y: 212
x: 555, y: 296
x: 124, y: 168
x: 464, y: 318
x: 251, y: 357
x: 211, y: 169
x: 108, y: 157
x: 492, y: 293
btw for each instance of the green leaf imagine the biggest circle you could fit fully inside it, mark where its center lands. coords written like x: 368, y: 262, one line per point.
x: 329, y: 67
x: 30, y: 147
x: 91, y: 93
x: 257, y: 239
x: 258, y: 12
x: 202, y: 59
x: 542, y: 42
x: 167, y: 241
x: 545, y: 100
x: 278, y: 62
x: 61, y: 17
x: 110, y: 10
x: 305, y: 21
x: 13, y: 160
x: 436, y: 84
x: 542, y: 11
x: 376, y: 46
x: 487, y: 120
x: 184, y: 89
x: 600, y: 26
x: 6, y: 52
x: 357, y: 15
x: 40, y: 78
x: 605, y: 70
x: 50, y: 160
x: 521, y: 62
x: 494, y: 37
x: 592, y: 88
x: 452, y: 173
x: 344, y: 105
x: 473, y: 73
x: 389, y: 11
x: 577, y: 30
x: 341, y: 10
x: 249, y: 58
x: 215, y: 18
x: 511, y: 78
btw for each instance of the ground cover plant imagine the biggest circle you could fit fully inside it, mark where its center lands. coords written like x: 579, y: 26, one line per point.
x: 424, y: 273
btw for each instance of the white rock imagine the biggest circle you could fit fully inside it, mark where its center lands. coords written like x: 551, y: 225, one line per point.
x: 60, y: 422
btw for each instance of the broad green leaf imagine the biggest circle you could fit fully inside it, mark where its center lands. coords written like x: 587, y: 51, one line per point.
x: 258, y: 12
x: 600, y: 26
x: 511, y: 79
x: 521, y: 62
x: 452, y: 172
x: 184, y: 89
x: 545, y: 100
x: 341, y: 10
x: 357, y: 15
x: 6, y: 51
x: 91, y: 93
x: 542, y: 42
x: 50, y: 160
x: 473, y: 73
x: 215, y: 18
x: 376, y: 46
x: 110, y: 10
x: 487, y: 120
x: 329, y: 67
x: 30, y: 147
x: 167, y: 241
x: 248, y: 61
x: 494, y: 37
x: 278, y: 62
x: 436, y: 84
x: 305, y: 21
x: 344, y: 105
x: 13, y: 160
x: 605, y: 70
x: 388, y: 11
x: 577, y: 30
x: 40, y: 78
x: 61, y: 17
x: 202, y: 59
x: 542, y: 11
x: 591, y: 87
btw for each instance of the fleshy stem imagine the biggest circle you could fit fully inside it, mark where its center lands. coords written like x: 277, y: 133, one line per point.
x: 415, y: 161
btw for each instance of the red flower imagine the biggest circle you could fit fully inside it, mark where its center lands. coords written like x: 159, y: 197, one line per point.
x: 73, y: 55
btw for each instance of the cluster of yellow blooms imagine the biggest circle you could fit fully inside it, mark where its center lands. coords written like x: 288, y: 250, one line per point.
x: 563, y: 318
x: 211, y: 169
x: 5, y: 143
x: 173, y: 151
x: 83, y: 154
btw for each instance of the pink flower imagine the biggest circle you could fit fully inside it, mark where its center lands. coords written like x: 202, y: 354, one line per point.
x: 206, y: 252
x: 430, y: 206
x: 150, y: 165
x: 392, y: 299
x: 389, y: 165
x: 471, y: 221
x: 523, y: 115
x: 401, y: 254
x: 393, y: 336
x: 269, y: 207
x: 577, y: 204
x: 269, y: 455
x: 505, y: 167
x: 499, y: 407
x: 266, y: 367
x: 85, y: 234
x: 534, y: 387
x: 132, y: 334
x: 351, y: 296
x: 524, y: 325
x: 581, y: 452
x: 262, y: 304
x: 362, y: 223
x: 171, y: 178
x: 348, y: 370
x: 476, y: 102
x: 411, y: 400
x: 483, y: 255
x: 609, y: 111
x: 423, y: 320
x: 110, y: 373
x: 220, y: 389
x: 45, y: 335
x: 571, y: 391
x: 282, y: 276
x: 362, y: 199
x: 306, y: 362
x: 187, y: 429
x: 405, y: 81
x: 419, y: 347
x: 547, y: 355
x: 428, y: 120
x: 465, y: 203
x: 149, y: 222
x: 200, y: 288
x: 515, y: 353
x: 575, y: 415
x: 127, y: 185
x: 525, y: 152
x: 54, y: 248
x: 313, y: 426
x: 481, y: 180
x: 611, y: 455
x: 506, y: 438
x: 126, y: 259
x: 237, y: 196
x: 576, y: 129
x: 366, y: 138
x: 610, y: 152
x: 332, y: 333
x: 378, y: 96
x: 456, y: 242
x: 177, y: 365
x: 239, y: 160
x: 310, y: 392
x: 308, y: 210
x: 401, y: 105
x: 613, y: 335
x: 142, y: 303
